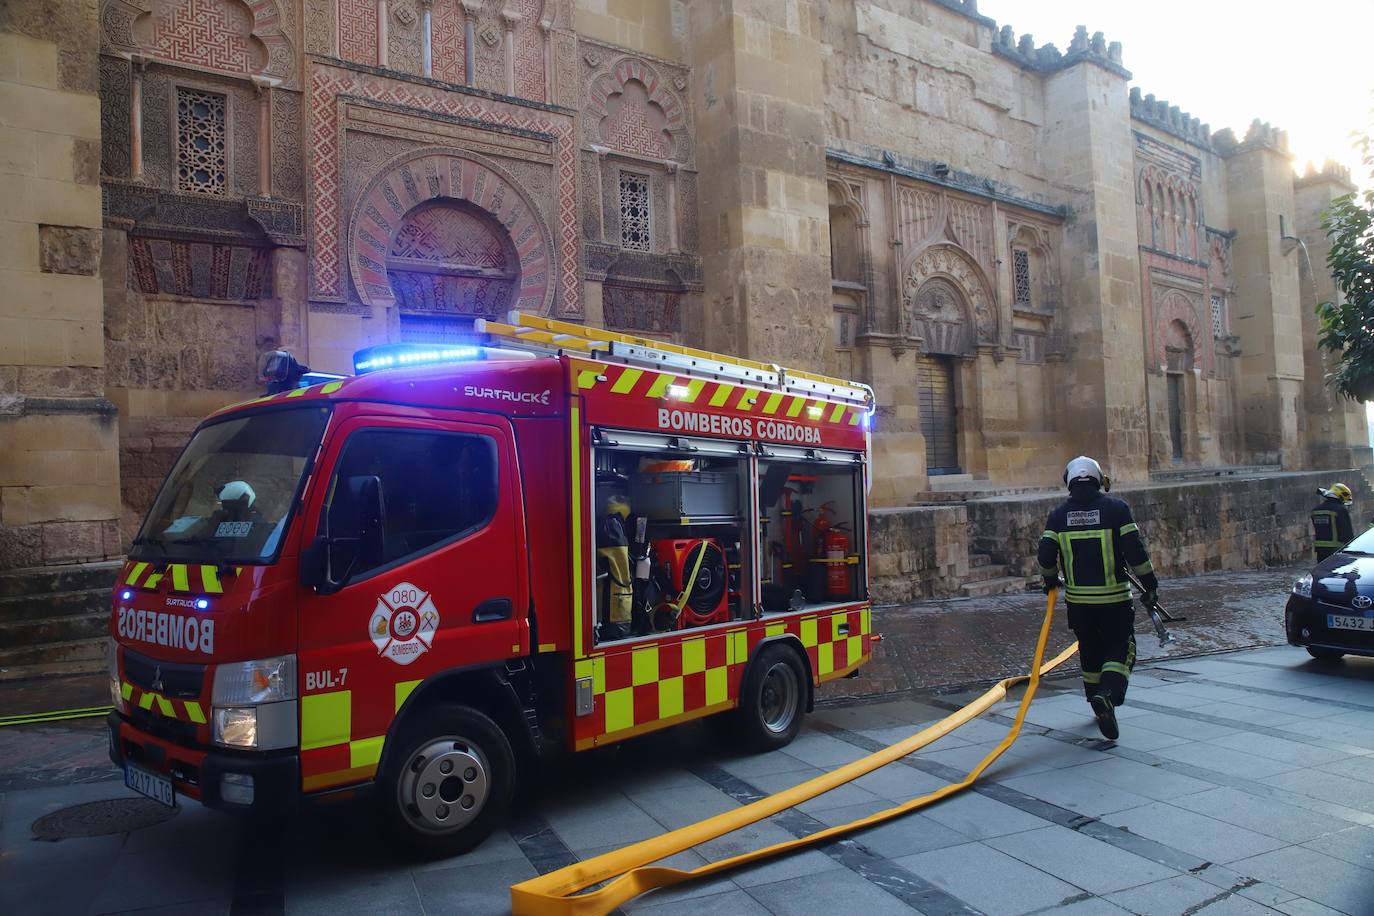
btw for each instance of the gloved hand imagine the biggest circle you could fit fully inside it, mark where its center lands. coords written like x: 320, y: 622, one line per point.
x: 1050, y: 584
x: 1151, y: 600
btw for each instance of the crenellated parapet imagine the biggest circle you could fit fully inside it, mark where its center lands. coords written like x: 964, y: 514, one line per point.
x: 1261, y: 135
x: 1169, y: 118
x: 1048, y: 58
x: 1330, y: 172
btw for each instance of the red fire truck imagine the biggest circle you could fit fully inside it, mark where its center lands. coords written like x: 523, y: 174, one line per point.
x: 462, y: 558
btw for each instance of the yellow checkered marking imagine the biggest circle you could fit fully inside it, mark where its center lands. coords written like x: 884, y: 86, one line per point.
x: 326, y: 719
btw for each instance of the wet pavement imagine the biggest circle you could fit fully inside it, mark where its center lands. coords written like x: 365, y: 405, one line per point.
x: 957, y: 642
x: 1243, y: 783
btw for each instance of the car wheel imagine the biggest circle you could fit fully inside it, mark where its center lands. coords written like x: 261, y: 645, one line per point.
x: 772, y: 699
x: 450, y: 780
x: 1325, y: 655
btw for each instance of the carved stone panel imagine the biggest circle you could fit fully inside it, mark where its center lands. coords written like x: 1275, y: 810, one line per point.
x: 241, y: 37
x: 287, y: 178
x: 962, y: 298
x: 403, y: 37
x: 358, y: 31
x: 114, y: 117
x: 489, y: 237
x: 448, y: 41
x: 646, y: 311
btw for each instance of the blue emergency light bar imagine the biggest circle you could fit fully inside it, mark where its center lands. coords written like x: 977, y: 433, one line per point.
x: 407, y: 356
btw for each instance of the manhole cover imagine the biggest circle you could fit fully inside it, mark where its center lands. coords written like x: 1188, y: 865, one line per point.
x: 101, y: 818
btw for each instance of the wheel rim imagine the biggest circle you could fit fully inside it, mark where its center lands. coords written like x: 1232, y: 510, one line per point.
x: 778, y: 699
x: 445, y: 785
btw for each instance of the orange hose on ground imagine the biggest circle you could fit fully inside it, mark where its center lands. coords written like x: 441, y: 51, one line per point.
x: 557, y: 893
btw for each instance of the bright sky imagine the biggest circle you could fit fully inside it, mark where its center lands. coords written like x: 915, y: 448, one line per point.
x: 1305, y: 68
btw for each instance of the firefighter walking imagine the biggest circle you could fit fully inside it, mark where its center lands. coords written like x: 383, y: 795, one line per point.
x: 1091, y: 537
x: 1331, y: 528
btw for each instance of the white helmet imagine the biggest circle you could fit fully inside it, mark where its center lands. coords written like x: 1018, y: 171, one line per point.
x: 1085, y: 468
x: 237, y: 489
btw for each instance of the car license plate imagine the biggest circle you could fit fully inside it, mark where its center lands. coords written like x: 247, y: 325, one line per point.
x: 146, y: 782
x: 1338, y: 622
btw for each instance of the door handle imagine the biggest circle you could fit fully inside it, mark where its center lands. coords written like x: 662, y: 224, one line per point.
x: 492, y: 609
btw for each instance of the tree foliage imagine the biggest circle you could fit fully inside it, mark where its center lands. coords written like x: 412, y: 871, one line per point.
x: 1347, y: 326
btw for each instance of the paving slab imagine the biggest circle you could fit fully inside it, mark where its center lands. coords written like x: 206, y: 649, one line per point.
x: 990, y: 880
x: 1079, y: 860
x: 1202, y: 836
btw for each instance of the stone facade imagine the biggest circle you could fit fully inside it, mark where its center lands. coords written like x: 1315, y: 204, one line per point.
x: 59, y: 466
x: 1026, y: 258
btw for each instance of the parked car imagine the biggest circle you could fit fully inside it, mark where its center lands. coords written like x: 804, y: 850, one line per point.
x: 1330, y: 612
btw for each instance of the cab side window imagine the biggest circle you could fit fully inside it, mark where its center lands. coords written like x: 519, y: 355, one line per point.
x: 435, y: 487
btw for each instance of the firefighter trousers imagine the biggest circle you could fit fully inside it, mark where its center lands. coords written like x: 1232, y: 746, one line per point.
x: 1106, y: 647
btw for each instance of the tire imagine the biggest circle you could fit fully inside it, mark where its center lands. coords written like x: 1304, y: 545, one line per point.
x: 449, y: 782
x: 772, y: 699
x: 1325, y: 655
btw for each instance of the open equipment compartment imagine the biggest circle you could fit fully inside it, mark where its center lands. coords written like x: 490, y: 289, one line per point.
x: 671, y: 538
x: 812, y: 536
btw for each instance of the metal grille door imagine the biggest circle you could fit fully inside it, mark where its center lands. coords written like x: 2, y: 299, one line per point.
x: 935, y: 384
x: 1176, y: 415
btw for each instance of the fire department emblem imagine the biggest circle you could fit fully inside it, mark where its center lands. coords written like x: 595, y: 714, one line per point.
x: 403, y: 623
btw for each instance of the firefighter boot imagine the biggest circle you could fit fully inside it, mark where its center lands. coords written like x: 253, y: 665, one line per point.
x: 1105, y: 713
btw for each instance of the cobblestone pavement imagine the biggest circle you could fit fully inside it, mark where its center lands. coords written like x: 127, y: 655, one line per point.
x: 966, y: 641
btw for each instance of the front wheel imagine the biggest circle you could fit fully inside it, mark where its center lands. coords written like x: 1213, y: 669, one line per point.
x: 1325, y: 655
x: 450, y: 780
x: 771, y: 699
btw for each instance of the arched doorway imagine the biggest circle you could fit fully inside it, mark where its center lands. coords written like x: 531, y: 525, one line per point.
x: 1178, y: 347
x: 941, y: 316
x: 445, y: 237
x: 450, y: 258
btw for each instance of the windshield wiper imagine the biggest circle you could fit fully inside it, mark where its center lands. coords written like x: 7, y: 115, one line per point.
x: 221, y: 564
x: 157, y: 545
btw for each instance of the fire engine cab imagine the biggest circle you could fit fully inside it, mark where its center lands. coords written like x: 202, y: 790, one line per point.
x: 462, y: 558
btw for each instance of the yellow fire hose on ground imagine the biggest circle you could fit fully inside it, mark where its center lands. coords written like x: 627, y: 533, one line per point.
x: 557, y: 893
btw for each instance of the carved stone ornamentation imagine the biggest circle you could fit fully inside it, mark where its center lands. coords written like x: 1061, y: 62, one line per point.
x: 632, y: 109
x: 461, y: 218
x: 228, y: 36
x: 287, y: 178
x: 961, y: 298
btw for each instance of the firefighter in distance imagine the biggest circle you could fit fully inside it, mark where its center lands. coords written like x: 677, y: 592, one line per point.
x: 1091, y: 537
x: 1331, y: 528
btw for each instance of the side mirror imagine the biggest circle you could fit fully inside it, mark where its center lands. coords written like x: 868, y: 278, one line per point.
x: 355, y: 529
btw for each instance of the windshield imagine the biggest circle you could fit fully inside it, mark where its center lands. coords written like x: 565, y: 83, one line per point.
x: 1364, y: 543
x: 229, y: 497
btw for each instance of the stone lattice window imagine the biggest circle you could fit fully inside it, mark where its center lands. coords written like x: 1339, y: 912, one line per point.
x: 634, y: 212
x: 1021, y: 275
x: 1218, y: 316
x: 202, y: 142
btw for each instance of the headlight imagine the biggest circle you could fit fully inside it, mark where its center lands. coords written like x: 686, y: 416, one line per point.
x: 236, y: 726
x: 267, y: 680
x: 1303, y: 587
x: 112, y: 664
x: 271, y: 726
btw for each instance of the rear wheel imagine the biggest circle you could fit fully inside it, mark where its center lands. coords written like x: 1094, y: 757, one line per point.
x: 450, y: 780
x: 1325, y: 655
x: 771, y: 703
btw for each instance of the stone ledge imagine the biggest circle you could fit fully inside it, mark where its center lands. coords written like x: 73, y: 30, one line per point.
x: 22, y: 406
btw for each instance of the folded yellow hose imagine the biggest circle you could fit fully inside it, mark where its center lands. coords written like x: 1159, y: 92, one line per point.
x: 553, y: 894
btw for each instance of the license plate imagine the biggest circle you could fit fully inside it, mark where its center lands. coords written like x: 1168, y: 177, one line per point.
x: 1337, y: 622
x: 146, y: 782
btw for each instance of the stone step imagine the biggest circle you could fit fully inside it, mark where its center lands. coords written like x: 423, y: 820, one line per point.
x: 984, y: 573
x: 979, y: 559
x: 42, y: 632
x: 77, y: 656
x: 55, y: 604
x: 1005, y: 585
x: 42, y: 580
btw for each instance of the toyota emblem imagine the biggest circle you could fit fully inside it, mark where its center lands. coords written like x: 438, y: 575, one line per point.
x: 1362, y: 601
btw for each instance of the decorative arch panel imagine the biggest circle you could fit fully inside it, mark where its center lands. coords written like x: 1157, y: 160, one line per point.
x: 491, y: 224
x: 238, y: 37
x: 927, y: 305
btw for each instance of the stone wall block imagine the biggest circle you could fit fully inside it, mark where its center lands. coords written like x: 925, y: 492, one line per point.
x: 69, y: 250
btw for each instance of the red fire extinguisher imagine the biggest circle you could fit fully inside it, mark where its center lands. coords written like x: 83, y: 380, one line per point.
x: 833, y: 547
